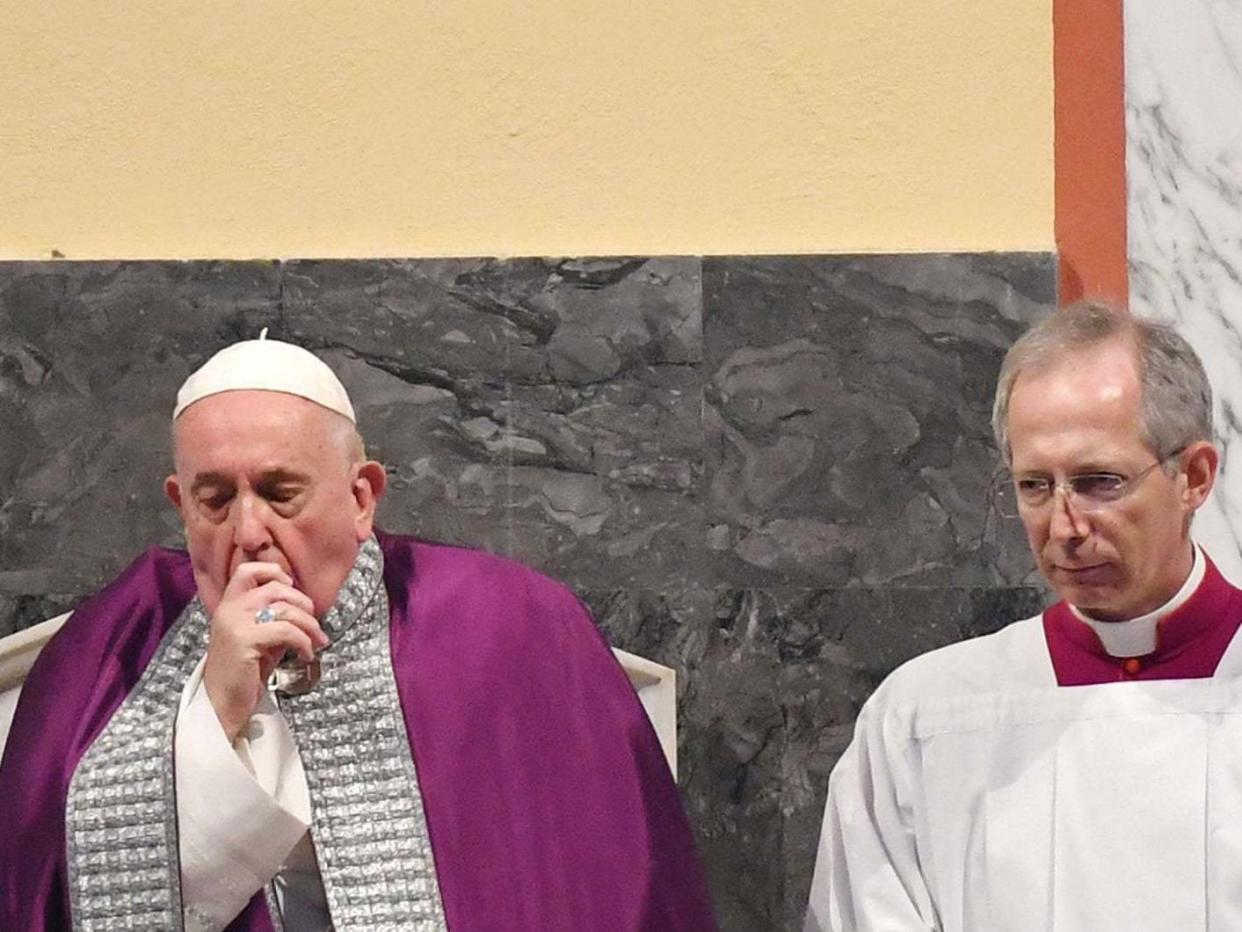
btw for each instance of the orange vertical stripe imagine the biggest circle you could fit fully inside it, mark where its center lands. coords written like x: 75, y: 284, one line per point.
x: 1090, y: 127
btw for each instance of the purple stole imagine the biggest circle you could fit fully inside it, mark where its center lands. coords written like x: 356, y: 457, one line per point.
x: 547, y: 798
x: 1189, y: 641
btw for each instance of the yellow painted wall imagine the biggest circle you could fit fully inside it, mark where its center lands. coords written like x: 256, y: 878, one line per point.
x: 230, y: 129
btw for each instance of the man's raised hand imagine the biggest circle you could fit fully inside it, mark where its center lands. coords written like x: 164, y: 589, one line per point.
x: 242, y: 653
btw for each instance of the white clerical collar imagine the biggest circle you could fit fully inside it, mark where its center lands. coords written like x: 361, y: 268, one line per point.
x: 1136, y: 637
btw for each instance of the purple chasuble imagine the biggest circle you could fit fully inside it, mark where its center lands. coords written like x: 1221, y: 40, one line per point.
x: 1190, y: 640
x: 548, y: 801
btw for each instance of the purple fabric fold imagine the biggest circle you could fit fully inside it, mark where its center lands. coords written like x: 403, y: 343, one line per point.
x: 571, y: 819
x: 547, y: 798
x: 78, y: 682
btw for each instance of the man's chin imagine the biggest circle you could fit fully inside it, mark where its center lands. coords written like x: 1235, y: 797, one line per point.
x: 1100, y: 603
x: 1096, y: 591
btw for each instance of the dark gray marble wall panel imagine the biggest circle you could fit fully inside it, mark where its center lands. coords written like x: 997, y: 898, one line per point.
x: 91, y: 355
x: 769, y: 684
x: 847, y: 416
x: 547, y: 409
x: 771, y: 474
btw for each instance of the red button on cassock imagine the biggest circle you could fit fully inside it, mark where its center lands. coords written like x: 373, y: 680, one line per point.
x: 1132, y: 666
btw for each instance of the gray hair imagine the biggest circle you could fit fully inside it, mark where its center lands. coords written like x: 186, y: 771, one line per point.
x: 1176, y: 405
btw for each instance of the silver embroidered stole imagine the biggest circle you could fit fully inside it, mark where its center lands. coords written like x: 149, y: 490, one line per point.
x: 368, y: 826
x: 121, y: 812
x: 367, y: 819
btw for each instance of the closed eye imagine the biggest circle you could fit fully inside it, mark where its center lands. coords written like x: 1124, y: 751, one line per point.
x: 285, y: 497
x: 213, y: 503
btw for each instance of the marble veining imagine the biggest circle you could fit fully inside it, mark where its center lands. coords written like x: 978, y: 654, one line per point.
x: 546, y: 409
x: 847, y: 418
x: 772, y: 474
x: 1184, y: 177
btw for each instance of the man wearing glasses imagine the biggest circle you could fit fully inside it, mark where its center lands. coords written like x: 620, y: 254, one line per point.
x: 1080, y: 770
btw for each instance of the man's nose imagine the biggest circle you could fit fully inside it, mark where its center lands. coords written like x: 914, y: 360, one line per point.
x: 250, y: 527
x: 1068, y: 522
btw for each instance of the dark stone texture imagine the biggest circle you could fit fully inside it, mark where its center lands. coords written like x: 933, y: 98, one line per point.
x: 91, y: 355
x: 546, y: 409
x: 847, y: 417
x: 769, y: 684
x: 771, y: 474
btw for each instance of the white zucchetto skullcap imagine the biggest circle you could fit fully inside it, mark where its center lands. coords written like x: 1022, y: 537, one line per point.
x: 266, y: 365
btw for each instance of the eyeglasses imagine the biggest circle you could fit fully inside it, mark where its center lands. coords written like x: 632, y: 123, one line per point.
x: 1090, y: 491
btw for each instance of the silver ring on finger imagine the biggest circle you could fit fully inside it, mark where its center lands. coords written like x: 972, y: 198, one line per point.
x: 268, y: 613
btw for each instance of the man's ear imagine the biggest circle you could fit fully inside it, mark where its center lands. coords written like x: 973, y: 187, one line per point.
x: 172, y: 489
x: 369, y: 484
x: 1201, y: 460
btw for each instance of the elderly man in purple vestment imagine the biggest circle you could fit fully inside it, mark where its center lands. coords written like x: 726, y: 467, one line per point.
x: 1080, y: 770
x: 307, y: 724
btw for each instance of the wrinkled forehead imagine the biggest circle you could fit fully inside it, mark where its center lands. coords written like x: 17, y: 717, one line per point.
x: 1075, y: 417
x: 256, y: 426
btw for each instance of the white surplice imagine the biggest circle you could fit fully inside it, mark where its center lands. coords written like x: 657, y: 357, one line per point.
x: 243, y: 817
x: 980, y: 795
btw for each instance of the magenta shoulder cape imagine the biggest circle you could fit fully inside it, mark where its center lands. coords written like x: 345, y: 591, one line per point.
x: 1190, y: 641
x: 547, y: 798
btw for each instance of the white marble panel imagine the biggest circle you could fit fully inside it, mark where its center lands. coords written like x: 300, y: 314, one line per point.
x: 1184, y: 175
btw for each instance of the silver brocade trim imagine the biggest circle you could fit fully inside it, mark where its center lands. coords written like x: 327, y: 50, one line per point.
x: 369, y: 829
x: 120, y: 814
x: 368, y: 825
